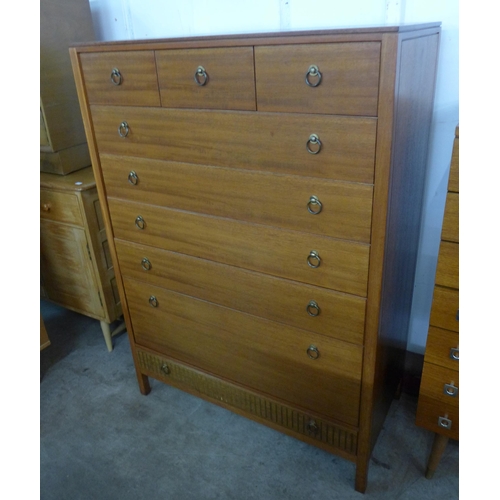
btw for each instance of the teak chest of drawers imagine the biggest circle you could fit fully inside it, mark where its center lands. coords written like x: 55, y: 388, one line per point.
x: 263, y: 196
x: 439, y: 398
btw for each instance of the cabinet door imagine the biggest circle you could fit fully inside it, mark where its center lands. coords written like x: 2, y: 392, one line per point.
x: 66, y: 268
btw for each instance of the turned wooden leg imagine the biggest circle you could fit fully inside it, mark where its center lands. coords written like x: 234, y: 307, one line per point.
x: 106, y: 331
x: 438, y: 447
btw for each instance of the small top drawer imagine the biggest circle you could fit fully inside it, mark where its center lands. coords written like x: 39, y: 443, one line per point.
x: 121, y: 78
x: 61, y: 207
x: 335, y: 78
x: 220, y: 78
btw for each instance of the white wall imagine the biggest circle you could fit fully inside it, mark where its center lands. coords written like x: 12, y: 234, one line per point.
x: 139, y: 19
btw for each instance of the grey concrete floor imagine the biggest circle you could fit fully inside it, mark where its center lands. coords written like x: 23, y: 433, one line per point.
x: 101, y: 439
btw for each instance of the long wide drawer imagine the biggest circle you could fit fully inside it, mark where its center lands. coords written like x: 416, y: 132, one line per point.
x: 317, y: 309
x: 338, y: 264
x: 331, y: 208
x: 303, y: 368
x: 343, y: 149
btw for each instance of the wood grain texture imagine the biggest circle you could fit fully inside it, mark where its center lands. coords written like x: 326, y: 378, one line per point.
x: 349, y: 81
x: 66, y: 268
x: 453, y: 180
x: 254, y: 352
x: 428, y: 412
x: 139, y: 85
x: 279, y: 252
x: 328, y: 435
x: 59, y: 206
x: 450, y: 230
x: 229, y: 139
x: 439, y: 344
x: 341, y: 316
x: 230, y: 82
x: 434, y: 379
x: 444, y: 309
x: 74, y: 182
x: 447, y: 273
x: 260, y: 197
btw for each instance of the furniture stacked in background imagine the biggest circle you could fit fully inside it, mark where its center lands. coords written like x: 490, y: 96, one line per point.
x: 438, y: 399
x: 264, y: 194
x: 76, y: 269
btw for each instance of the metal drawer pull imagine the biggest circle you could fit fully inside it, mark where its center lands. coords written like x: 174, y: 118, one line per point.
x: 140, y: 222
x: 444, y: 422
x: 153, y: 301
x: 123, y: 129
x: 313, y: 71
x: 313, y: 140
x: 133, y: 178
x: 312, y: 352
x: 450, y: 390
x: 46, y: 207
x: 313, y: 201
x: 312, y: 427
x: 116, y: 76
x: 146, y: 265
x: 201, y: 77
x: 454, y: 353
x: 313, y: 309
x: 313, y: 256
x: 165, y: 369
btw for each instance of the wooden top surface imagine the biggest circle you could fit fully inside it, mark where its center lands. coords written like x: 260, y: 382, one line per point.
x: 256, y: 37
x: 85, y: 176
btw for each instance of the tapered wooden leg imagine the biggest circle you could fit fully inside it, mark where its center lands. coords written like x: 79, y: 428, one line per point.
x: 106, y: 331
x: 438, y: 447
x: 144, y: 386
x: 361, y: 475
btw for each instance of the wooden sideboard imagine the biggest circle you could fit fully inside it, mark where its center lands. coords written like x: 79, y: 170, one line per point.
x: 75, y: 262
x: 438, y: 399
x: 263, y: 195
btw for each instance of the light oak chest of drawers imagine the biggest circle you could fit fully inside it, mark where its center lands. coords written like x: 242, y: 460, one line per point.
x: 263, y: 195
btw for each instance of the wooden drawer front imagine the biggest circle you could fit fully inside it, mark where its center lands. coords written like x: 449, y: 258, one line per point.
x: 337, y: 315
x: 450, y: 221
x: 445, y: 308
x: 61, y: 207
x: 264, y: 198
x: 349, y: 78
x: 255, y: 141
x: 279, y: 252
x: 429, y: 411
x: 440, y: 383
x: 251, y: 351
x: 447, y: 268
x: 225, y: 79
x: 442, y: 348
x: 138, y: 85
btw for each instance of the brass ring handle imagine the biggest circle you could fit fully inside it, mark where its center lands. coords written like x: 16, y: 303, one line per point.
x: 133, y: 178
x: 46, y: 207
x: 153, y: 301
x: 165, y: 369
x: 146, y: 264
x: 123, y: 129
x: 116, y: 76
x: 312, y: 352
x: 140, y: 222
x: 313, y: 309
x: 313, y: 140
x: 313, y: 71
x: 313, y: 256
x: 454, y: 353
x: 312, y: 427
x: 200, y: 76
x: 314, y: 201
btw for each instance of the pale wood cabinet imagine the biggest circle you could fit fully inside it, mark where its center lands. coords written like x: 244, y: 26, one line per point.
x: 76, y: 266
x: 438, y: 404
x: 263, y: 196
